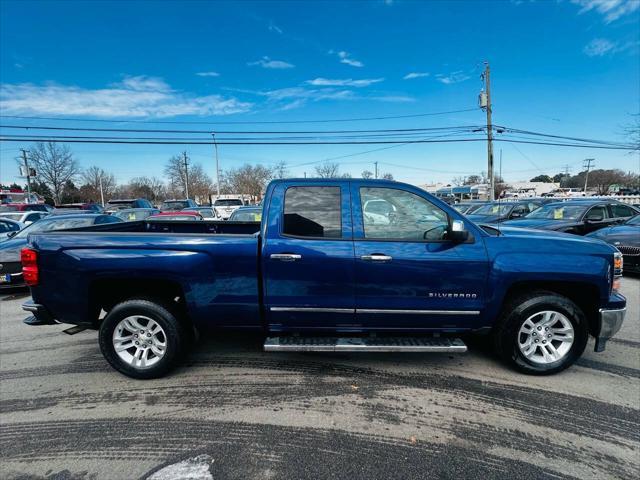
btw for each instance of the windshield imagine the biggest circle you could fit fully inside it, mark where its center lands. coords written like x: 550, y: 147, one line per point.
x: 118, y: 205
x: 634, y: 220
x: 59, y: 223
x: 133, y: 215
x: 174, y: 205
x: 228, y: 202
x: 246, y: 216
x: 494, y: 209
x: 559, y: 212
x: 15, y: 216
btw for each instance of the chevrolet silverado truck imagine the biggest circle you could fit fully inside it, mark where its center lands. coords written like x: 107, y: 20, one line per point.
x: 319, y: 273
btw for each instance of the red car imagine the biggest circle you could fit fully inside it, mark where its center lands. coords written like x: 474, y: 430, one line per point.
x: 25, y: 207
x: 177, y: 215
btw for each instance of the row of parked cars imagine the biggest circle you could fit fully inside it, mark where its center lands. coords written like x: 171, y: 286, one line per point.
x: 615, y: 222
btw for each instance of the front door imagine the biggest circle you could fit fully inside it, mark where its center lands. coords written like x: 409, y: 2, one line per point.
x: 308, y: 258
x: 408, y: 275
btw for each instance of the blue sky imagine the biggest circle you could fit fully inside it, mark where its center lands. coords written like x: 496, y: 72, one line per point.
x: 567, y: 67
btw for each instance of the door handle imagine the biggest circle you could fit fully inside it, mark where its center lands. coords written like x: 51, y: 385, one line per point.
x: 285, y: 257
x: 376, y: 257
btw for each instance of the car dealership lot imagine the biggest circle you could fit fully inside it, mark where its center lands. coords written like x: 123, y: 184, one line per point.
x: 236, y: 412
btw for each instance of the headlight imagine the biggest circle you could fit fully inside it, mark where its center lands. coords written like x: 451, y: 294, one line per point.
x: 617, y: 271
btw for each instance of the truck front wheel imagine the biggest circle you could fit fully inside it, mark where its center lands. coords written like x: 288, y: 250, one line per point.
x: 141, y: 338
x: 541, y: 333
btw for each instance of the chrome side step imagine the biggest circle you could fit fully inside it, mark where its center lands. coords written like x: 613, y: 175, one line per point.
x: 364, y: 344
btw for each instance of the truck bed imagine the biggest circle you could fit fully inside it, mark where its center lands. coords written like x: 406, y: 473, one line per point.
x: 211, y: 267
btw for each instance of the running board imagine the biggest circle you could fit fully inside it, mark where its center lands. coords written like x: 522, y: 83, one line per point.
x: 364, y: 344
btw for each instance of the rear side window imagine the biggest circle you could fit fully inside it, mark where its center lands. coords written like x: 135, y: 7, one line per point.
x: 622, y: 211
x: 312, y: 212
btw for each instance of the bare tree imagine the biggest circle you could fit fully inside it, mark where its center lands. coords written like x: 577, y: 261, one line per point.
x: 328, y: 170
x: 387, y: 176
x: 280, y: 170
x: 151, y: 188
x: 94, y: 179
x: 248, y: 179
x: 187, y: 178
x: 55, y: 165
x: 366, y: 174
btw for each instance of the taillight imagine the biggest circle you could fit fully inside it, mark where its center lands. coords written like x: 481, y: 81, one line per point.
x: 29, y: 259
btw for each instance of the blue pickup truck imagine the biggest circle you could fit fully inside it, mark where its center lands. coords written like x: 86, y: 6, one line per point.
x: 335, y: 266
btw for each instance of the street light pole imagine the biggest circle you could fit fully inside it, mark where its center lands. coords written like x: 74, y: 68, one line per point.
x: 215, y: 146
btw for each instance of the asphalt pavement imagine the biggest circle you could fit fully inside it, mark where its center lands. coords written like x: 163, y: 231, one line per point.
x: 232, y: 411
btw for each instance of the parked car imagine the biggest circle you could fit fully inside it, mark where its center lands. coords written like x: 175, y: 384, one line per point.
x: 208, y: 213
x: 91, y: 207
x: 11, y: 270
x: 319, y: 267
x: 24, y: 207
x: 180, y: 215
x: 577, y: 216
x: 173, y: 205
x: 469, y: 207
x: 114, y: 206
x: 498, y: 212
x: 226, y: 206
x: 135, y: 214
x: 246, y: 214
x: 626, y: 238
x: 25, y: 217
x: 7, y: 227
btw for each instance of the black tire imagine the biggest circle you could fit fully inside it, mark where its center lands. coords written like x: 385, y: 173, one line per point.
x: 515, y: 313
x: 160, y: 313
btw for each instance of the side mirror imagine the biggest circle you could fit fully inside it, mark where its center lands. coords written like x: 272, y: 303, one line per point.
x: 595, y: 219
x: 11, y: 234
x: 516, y: 215
x: 457, y: 232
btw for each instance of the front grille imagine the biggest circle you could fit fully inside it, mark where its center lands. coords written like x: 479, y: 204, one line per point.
x: 628, y: 250
x: 10, y: 267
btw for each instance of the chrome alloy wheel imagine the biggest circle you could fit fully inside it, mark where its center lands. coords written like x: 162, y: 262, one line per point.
x: 139, y: 341
x: 545, y: 337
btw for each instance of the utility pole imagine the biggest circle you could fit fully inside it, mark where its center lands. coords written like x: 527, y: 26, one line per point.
x: 485, y: 103
x: 186, y: 174
x: 101, y: 192
x: 567, y: 169
x: 215, y: 146
x: 376, y: 165
x: 26, y: 167
x: 587, y: 164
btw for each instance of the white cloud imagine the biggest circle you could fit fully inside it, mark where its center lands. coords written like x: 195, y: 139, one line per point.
x: 610, y: 9
x: 453, y: 77
x: 326, y: 82
x: 345, y: 57
x: 208, y: 74
x: 139, y: 96
x: 599, y: 47
x: 274, y: 28
x: 266, y: 62
x: 411, y: 75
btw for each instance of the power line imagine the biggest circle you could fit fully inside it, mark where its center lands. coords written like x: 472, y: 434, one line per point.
x: 163, y: 141
x: 243, y: 132
x: 264, y: 122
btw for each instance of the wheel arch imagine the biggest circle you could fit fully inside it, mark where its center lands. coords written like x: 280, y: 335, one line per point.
x: 585, y: 295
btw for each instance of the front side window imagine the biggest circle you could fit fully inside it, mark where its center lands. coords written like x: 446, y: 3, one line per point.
x: 401, y: 215
x: 312, y: 212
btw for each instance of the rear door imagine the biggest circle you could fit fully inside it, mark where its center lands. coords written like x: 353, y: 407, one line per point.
x: 307, y: 257
x: 408, y: 276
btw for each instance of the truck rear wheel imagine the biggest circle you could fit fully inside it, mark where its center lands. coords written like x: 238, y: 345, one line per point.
x: 541, y: 333
x: 141, y: 338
